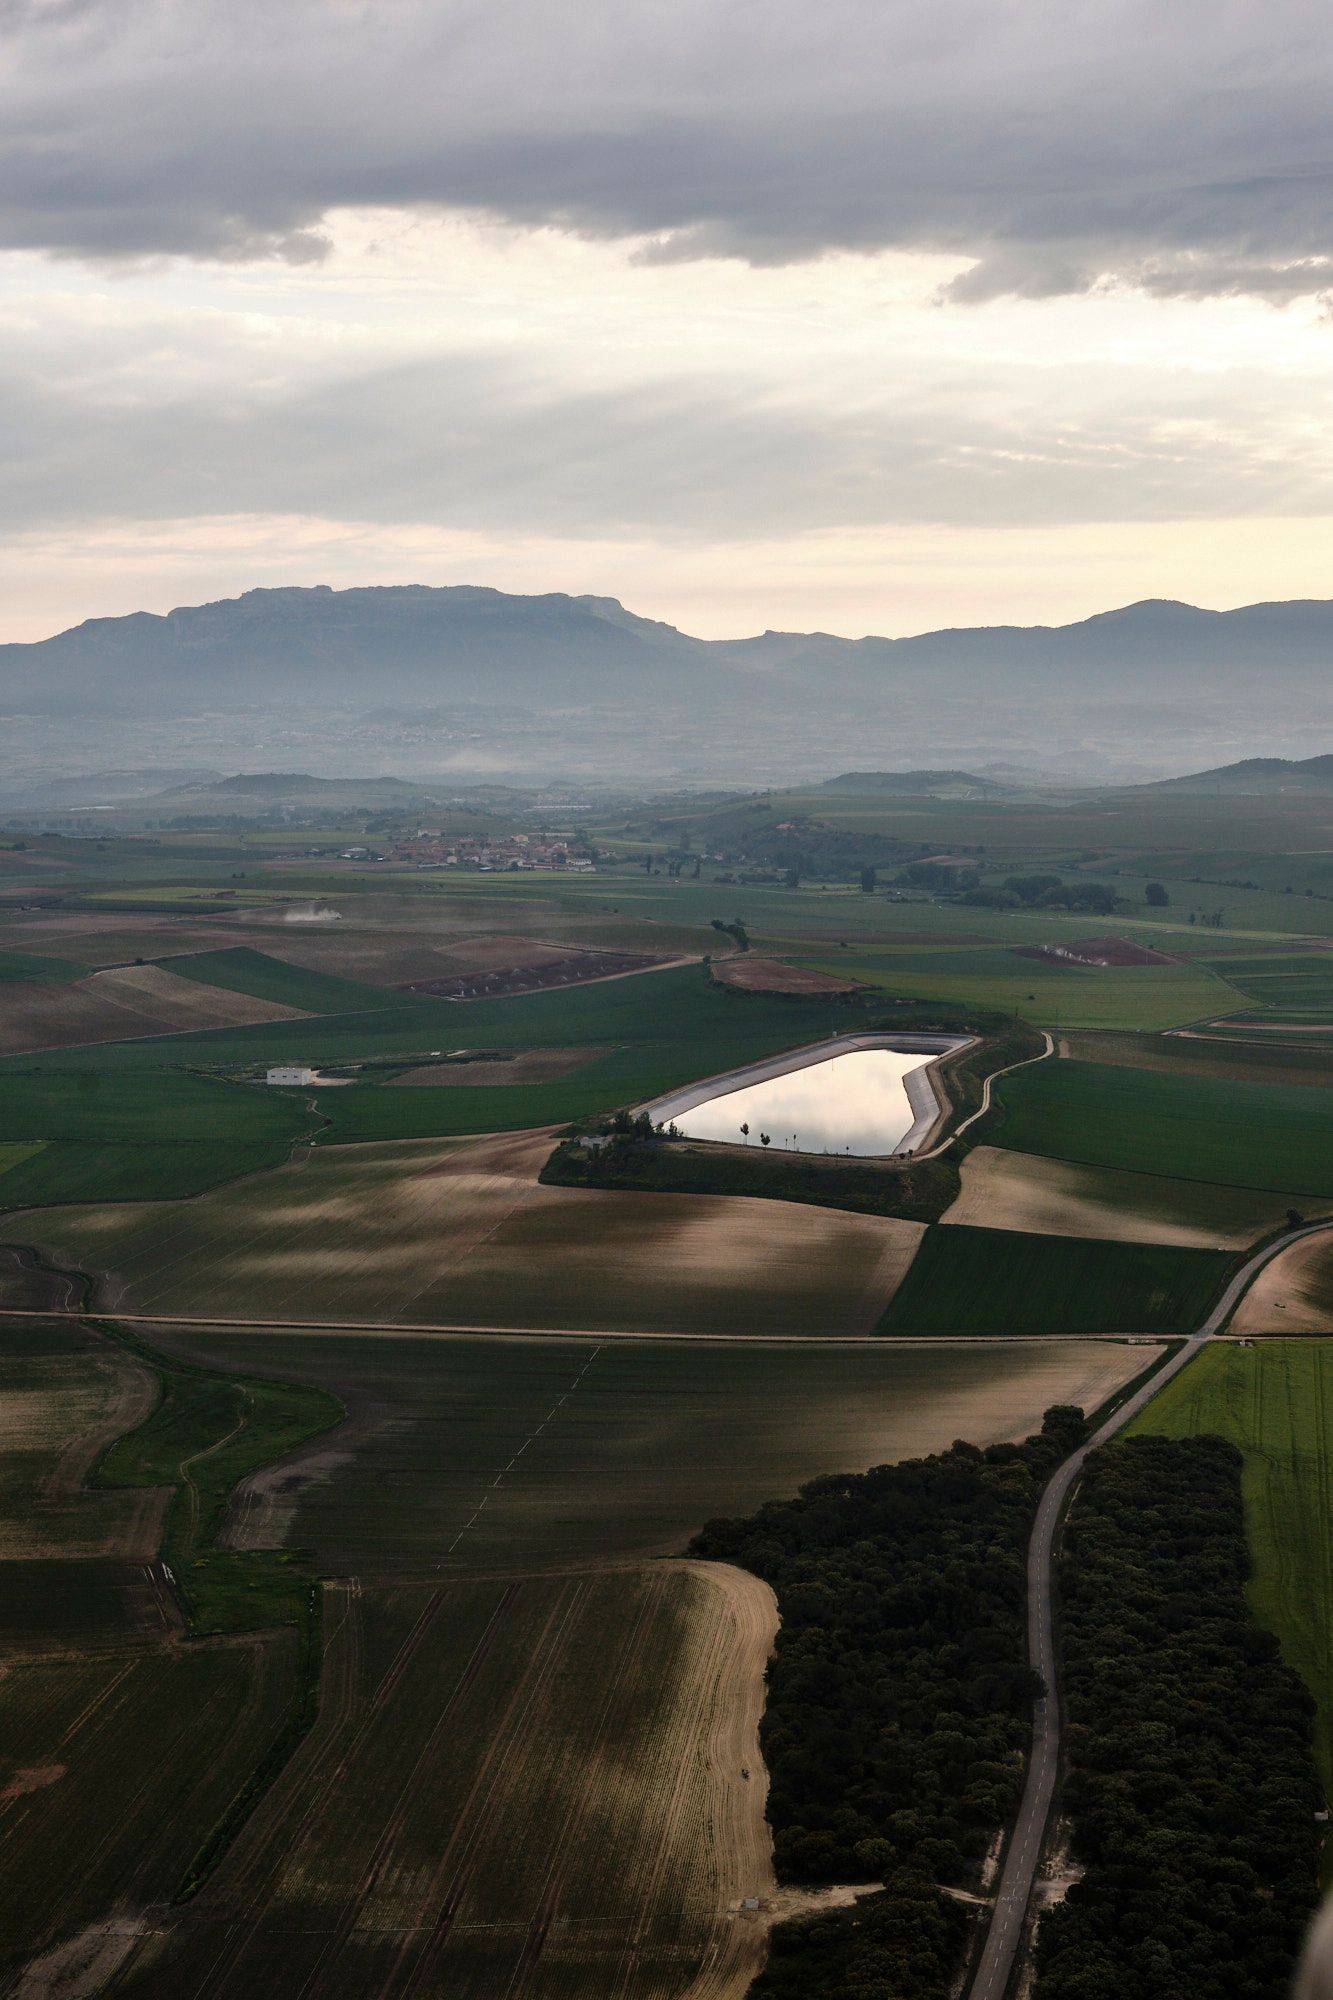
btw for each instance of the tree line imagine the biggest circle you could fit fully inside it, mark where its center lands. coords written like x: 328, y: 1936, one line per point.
x: 899, y: 1700
x: 1191, y: 1783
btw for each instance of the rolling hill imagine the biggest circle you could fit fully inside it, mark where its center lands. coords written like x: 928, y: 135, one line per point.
x: 1258, y: 777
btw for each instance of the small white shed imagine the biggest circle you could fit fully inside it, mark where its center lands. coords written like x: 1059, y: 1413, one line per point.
x: 290, y: 1075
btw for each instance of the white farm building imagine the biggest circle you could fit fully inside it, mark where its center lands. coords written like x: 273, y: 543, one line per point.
x: 290, y: 1076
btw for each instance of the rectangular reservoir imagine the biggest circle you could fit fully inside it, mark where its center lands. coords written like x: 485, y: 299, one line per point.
x: 864, y: 1097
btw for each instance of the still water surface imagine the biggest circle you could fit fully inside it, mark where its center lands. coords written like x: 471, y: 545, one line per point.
x: 852, y: 1103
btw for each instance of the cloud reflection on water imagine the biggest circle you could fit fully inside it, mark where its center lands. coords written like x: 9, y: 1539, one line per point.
x: 851, y: 1103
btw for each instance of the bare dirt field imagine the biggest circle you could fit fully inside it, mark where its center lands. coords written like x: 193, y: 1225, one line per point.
x: 114, y: 937
x: 25, y: 1285
x: 1095, y: 951
x: 1026, y: 1191
x: 524, y: 1066
x: 450, y: 968
x: 119, y: 1766
x: 547, y: 966
x: 460, y: 1232
x: 769, y: 975
x: 119, y: 1004
x: 65, y: 1394
x: 381, y: 957
x: 1246, y: 1024
x: 1293, y: 1294
x: 532, y: 1786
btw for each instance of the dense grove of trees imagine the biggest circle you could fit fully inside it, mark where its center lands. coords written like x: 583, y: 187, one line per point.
x: 899, y: 1700
x: 903, y: 1945
x: 1191, y: 1786
x: 1040, y: 892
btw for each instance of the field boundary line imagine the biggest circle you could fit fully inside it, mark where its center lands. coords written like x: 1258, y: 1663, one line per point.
x: 456, y: 1330
x: 498, y: 1480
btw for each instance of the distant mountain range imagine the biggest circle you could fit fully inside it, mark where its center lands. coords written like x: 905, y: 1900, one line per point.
x: 460, y: 680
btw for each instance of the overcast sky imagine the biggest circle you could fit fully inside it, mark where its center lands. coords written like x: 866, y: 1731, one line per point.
x: 873, y: 315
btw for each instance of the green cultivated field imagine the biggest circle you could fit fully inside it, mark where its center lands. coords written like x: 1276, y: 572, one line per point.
x: 662, y: 1029
x: 966, y: 1280
x: 1275, y: 1401
x: 32, y: 965
x: 13, y: 1152
x: 1286, y: 984
x: 1225, y: 1055
x: 1244, y: 1134
x: 585, y: 1451
x: 208, y: 1431
x: 668, y: 1027
x: 118, y: 1137
x: 1056, y: 996
x: 244, y: 970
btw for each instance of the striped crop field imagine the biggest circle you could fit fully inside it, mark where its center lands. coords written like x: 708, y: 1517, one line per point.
x: 548, y: 1786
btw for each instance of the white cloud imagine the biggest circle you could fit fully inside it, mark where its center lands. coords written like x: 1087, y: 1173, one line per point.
x: 129, y: 414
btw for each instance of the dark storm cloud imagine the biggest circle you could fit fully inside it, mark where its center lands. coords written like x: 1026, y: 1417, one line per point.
x: 1062, y: 144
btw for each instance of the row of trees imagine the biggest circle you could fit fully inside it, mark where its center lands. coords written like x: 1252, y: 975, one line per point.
x: 1191, y: 1783
x: 899, y: 1698
x: 635, y: 1154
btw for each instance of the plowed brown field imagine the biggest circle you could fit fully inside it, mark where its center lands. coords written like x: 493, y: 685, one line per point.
x: 769, y: 975
x: 1293, y: 1294
x: 64, y: 1395
x: 121, y: 1004
x: 528, y: 1787
x: 1027, y: 1191
x: 117, y: 1767
x: 461, y: 1232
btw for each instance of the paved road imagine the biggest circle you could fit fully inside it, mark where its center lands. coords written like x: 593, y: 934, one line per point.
x: 996, y: 1966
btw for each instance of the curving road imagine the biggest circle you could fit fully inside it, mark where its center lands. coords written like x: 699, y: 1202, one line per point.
x: 995, y: 1967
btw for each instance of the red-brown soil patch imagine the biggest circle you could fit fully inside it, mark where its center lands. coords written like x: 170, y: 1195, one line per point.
x: 770, y: 975
x: 557, y: 968
x: 1095, y: 951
